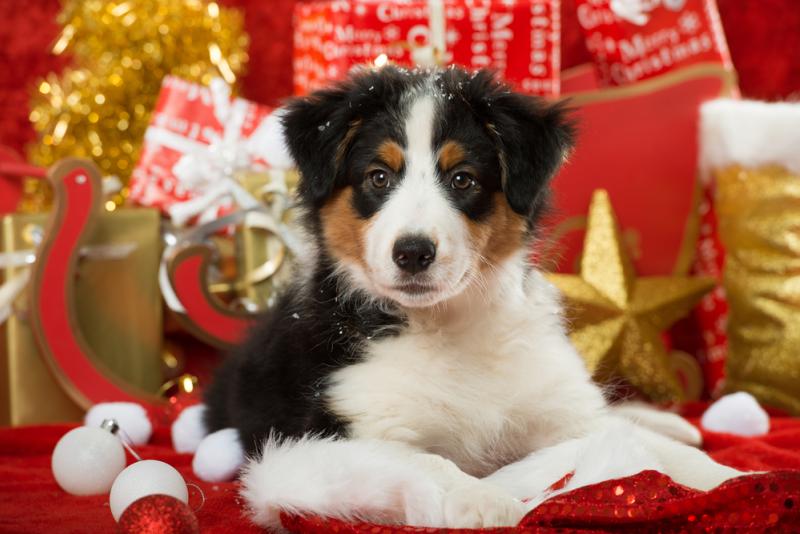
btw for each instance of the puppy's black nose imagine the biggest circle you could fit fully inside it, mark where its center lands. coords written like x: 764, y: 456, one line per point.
x: 413, y: 253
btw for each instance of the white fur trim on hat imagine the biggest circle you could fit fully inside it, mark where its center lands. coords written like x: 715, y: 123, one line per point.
x: 750, y: 134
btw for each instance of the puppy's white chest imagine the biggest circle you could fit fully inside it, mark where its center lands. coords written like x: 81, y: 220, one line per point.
x: 455, y: 397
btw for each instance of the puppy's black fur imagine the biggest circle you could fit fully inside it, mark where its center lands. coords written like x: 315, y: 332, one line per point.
x: 276, y: 381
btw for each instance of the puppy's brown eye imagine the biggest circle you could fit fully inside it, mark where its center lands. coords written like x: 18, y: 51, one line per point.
x: 462, y: 180
x: 379, y: 178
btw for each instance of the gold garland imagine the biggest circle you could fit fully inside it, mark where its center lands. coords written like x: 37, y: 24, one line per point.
x: 100, y: 107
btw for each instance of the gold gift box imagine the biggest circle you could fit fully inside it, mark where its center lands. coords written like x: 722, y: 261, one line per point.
x: 118, y: 304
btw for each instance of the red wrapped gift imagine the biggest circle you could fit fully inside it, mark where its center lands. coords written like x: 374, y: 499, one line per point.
x: 198, y: 139
x: 633, y: 40
x: 518, y: 38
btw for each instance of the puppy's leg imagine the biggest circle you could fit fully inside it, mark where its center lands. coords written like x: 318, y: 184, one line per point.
x: 368, y: 480
x: 467, y: 501
x: 659, y: 421
x: 610, y: 451
x: 618, y: 448
x: 685, y: 465
x: 531, y: 476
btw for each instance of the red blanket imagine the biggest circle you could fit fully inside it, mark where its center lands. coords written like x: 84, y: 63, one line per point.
x: 30, y: 500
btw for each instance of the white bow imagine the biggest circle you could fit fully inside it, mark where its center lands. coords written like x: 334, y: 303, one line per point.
x: 208, y: 170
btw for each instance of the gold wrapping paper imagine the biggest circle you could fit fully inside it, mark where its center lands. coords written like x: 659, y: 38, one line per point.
x: 119, y: 311
x: 99, y: 106
x: 759, y: 224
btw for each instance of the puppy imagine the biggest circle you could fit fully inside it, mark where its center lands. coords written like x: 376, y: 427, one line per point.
x: 419, y: 337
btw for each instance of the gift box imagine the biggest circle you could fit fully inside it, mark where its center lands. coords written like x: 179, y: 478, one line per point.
x: 632, y: 40
x: 118, y: 308
x: 199, y: 139
x: 332, y: 37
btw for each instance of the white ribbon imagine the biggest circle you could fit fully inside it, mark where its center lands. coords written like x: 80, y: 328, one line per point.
x: 431, y: 54
x: 13, y: 286
x: 208, y: 170
x: 9, y: 292
x: 267, y: 217
x: 637, y: 11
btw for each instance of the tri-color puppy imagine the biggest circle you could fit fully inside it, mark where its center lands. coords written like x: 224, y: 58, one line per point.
x: 419, y: 333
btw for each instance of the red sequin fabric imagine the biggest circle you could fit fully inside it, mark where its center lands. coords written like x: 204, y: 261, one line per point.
x: 647, y: 502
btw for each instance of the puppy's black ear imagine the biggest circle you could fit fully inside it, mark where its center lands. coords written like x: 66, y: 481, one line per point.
x: 316, y: 129
x: 533, y: 137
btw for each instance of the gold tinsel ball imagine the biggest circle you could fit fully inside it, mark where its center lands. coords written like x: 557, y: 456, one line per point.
x: 101, y: 106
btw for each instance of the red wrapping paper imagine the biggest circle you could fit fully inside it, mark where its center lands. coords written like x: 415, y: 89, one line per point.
x: 518, y: 38
x: 632, y: 40
x: 185, y: 113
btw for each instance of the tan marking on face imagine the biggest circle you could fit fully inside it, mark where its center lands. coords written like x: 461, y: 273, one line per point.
x: 341, y: 150
x: 391, y: 154
x: 342, y: 227
x: 499, y: 235
x: 451, y: 154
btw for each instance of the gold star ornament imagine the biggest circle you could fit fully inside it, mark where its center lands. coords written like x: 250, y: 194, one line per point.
x: 616, y: 318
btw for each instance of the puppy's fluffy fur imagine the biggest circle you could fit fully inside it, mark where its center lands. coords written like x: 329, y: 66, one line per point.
x: 420, y: 336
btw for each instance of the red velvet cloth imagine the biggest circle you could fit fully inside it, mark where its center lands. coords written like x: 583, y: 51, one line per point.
x: 30, y: 500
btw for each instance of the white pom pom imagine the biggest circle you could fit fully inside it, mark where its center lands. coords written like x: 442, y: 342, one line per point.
x: 147, y: 477
x: 131, y: 418
x: 86, y: 460
x: 737, y: 413
x: 188, y: 430
x: 219, y: 456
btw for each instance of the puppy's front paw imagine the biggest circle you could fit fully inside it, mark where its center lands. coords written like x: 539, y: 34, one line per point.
x: 478, y: 505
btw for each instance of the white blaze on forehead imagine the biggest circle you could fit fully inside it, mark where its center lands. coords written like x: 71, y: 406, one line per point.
x: 419, y: 204
x: 419, y: 133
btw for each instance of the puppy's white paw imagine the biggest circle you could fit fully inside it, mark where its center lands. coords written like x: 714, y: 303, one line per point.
x: 478, y: 505
x: 219, y: 456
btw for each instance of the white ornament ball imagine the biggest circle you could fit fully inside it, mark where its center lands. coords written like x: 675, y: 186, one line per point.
x: 147, y: 477
x: 131, y: 418
x: 219, y: 456
x: 737, y: 413
x: 86, y: 460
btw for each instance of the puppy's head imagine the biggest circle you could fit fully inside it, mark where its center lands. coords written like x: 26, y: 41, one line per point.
x: 416, y: 182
